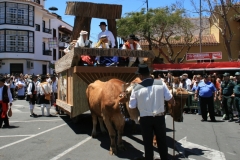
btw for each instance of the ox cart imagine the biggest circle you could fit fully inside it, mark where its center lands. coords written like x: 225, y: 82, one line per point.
x: 74, y: 79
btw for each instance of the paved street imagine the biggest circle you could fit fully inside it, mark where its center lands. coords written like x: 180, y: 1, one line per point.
x: 45, y: 138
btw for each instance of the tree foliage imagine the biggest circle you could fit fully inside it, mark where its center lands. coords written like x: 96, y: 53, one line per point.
x: 159, y: 27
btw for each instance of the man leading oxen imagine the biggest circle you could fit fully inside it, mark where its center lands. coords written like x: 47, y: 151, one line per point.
x: 149, y: 96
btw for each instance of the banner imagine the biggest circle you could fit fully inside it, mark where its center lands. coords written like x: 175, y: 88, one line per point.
x: 203, y: 56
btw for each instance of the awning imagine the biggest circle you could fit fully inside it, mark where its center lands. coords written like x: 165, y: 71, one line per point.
x: 208, y: 66
x: 64, y: 29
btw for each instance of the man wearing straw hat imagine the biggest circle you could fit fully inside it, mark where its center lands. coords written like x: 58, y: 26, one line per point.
x: 149, y: 96
x: 5, y: 99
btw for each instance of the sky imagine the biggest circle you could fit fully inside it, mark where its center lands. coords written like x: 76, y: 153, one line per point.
x: 127, y: 6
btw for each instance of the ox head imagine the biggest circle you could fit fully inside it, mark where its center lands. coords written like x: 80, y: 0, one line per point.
x: 125, y: 97
x: 180, y: 96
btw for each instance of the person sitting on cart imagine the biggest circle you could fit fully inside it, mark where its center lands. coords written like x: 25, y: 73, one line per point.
x: 103, y: 60
x: 84, y: 42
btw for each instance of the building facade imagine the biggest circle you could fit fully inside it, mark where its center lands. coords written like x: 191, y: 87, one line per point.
x: 212, y: 41
x: 30, y: 37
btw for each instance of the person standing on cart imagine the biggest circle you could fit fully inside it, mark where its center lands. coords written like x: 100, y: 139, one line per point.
x: 236, y: 92
x: 226, y: 96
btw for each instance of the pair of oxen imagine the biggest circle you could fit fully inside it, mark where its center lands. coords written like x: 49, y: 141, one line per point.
x: 105, y: 100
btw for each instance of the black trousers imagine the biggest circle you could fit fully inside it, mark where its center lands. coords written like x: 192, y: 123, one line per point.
x: 227, y: 106
x: 206, y: 104
x: 155, y: 125
x: 5, y: 120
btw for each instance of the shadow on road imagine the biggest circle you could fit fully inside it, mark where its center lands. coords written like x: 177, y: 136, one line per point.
x: 84, y: 126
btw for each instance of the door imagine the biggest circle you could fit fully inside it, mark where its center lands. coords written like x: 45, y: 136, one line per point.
x: 44, y: 69
x: 16, y: 68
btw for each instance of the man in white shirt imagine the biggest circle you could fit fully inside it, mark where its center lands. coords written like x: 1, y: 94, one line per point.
x: 149, y: 96
x: 31, y: 94
x: 5, y: 99
x: 111, y: 39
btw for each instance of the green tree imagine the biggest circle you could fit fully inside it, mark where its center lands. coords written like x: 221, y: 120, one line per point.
x: 165, y: 25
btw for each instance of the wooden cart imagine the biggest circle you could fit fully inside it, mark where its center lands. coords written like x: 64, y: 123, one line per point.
x: 74, y: 79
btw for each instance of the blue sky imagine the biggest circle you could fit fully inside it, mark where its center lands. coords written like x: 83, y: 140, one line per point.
x: 127, y: 6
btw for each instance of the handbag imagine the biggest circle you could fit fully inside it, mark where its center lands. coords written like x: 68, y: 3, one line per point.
x: 47, y: 95
x: 9, y: 114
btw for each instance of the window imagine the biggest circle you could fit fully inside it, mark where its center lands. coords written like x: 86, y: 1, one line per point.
x: 44, y: 69
x: 37, y: 27
x: 16, y: 41
x: 59, y: 54
x: 54, y: 54
x: 54, y: 33
x: 16, y: 13
x: 2, y: 13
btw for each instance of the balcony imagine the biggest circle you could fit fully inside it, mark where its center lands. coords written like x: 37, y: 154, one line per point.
x: 36, y: 1
x: 47, y: 52
x: 46, y: 30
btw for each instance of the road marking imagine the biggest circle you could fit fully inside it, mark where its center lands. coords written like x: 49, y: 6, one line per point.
x: 231, y: 153
x: 8, y: 136
x: 10, y: 144
x: 72, y: 148
x: 17, y: 105
x: 199, y: 150
x: 36, y: 121
x: 17, y: 111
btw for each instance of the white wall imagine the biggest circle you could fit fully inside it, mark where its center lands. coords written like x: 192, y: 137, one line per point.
x: 39, y: 36
x: 36, y: 70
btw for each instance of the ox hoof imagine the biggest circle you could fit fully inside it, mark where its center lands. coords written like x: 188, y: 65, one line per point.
x: 113, y: 151
x: 94, y: 135
x: 121, y: 147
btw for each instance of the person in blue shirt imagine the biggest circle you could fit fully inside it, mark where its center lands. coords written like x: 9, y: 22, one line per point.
x: 205, y: 92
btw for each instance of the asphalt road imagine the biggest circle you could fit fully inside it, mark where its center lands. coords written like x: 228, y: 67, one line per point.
x: 52, y: 138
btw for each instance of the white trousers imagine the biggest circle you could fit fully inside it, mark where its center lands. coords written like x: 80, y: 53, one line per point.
x: 48, y: 106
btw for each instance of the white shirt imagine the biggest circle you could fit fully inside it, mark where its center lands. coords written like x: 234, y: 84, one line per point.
x: 188, y: 83
x: 47, y: 87
x: 9, y: 94
x: 29, y: 89
x: 109, y: 36
x: 54, y: 86
x: 150, y: 100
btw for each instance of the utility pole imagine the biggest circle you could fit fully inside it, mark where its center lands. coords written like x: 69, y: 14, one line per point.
x: 147, y: 4
x: 148, y: 33
x: 200, y: 33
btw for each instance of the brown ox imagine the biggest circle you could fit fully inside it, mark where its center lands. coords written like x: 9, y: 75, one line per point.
x: 104, y: 99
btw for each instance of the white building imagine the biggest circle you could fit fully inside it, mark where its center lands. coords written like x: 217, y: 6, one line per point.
x: 26, y: 29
